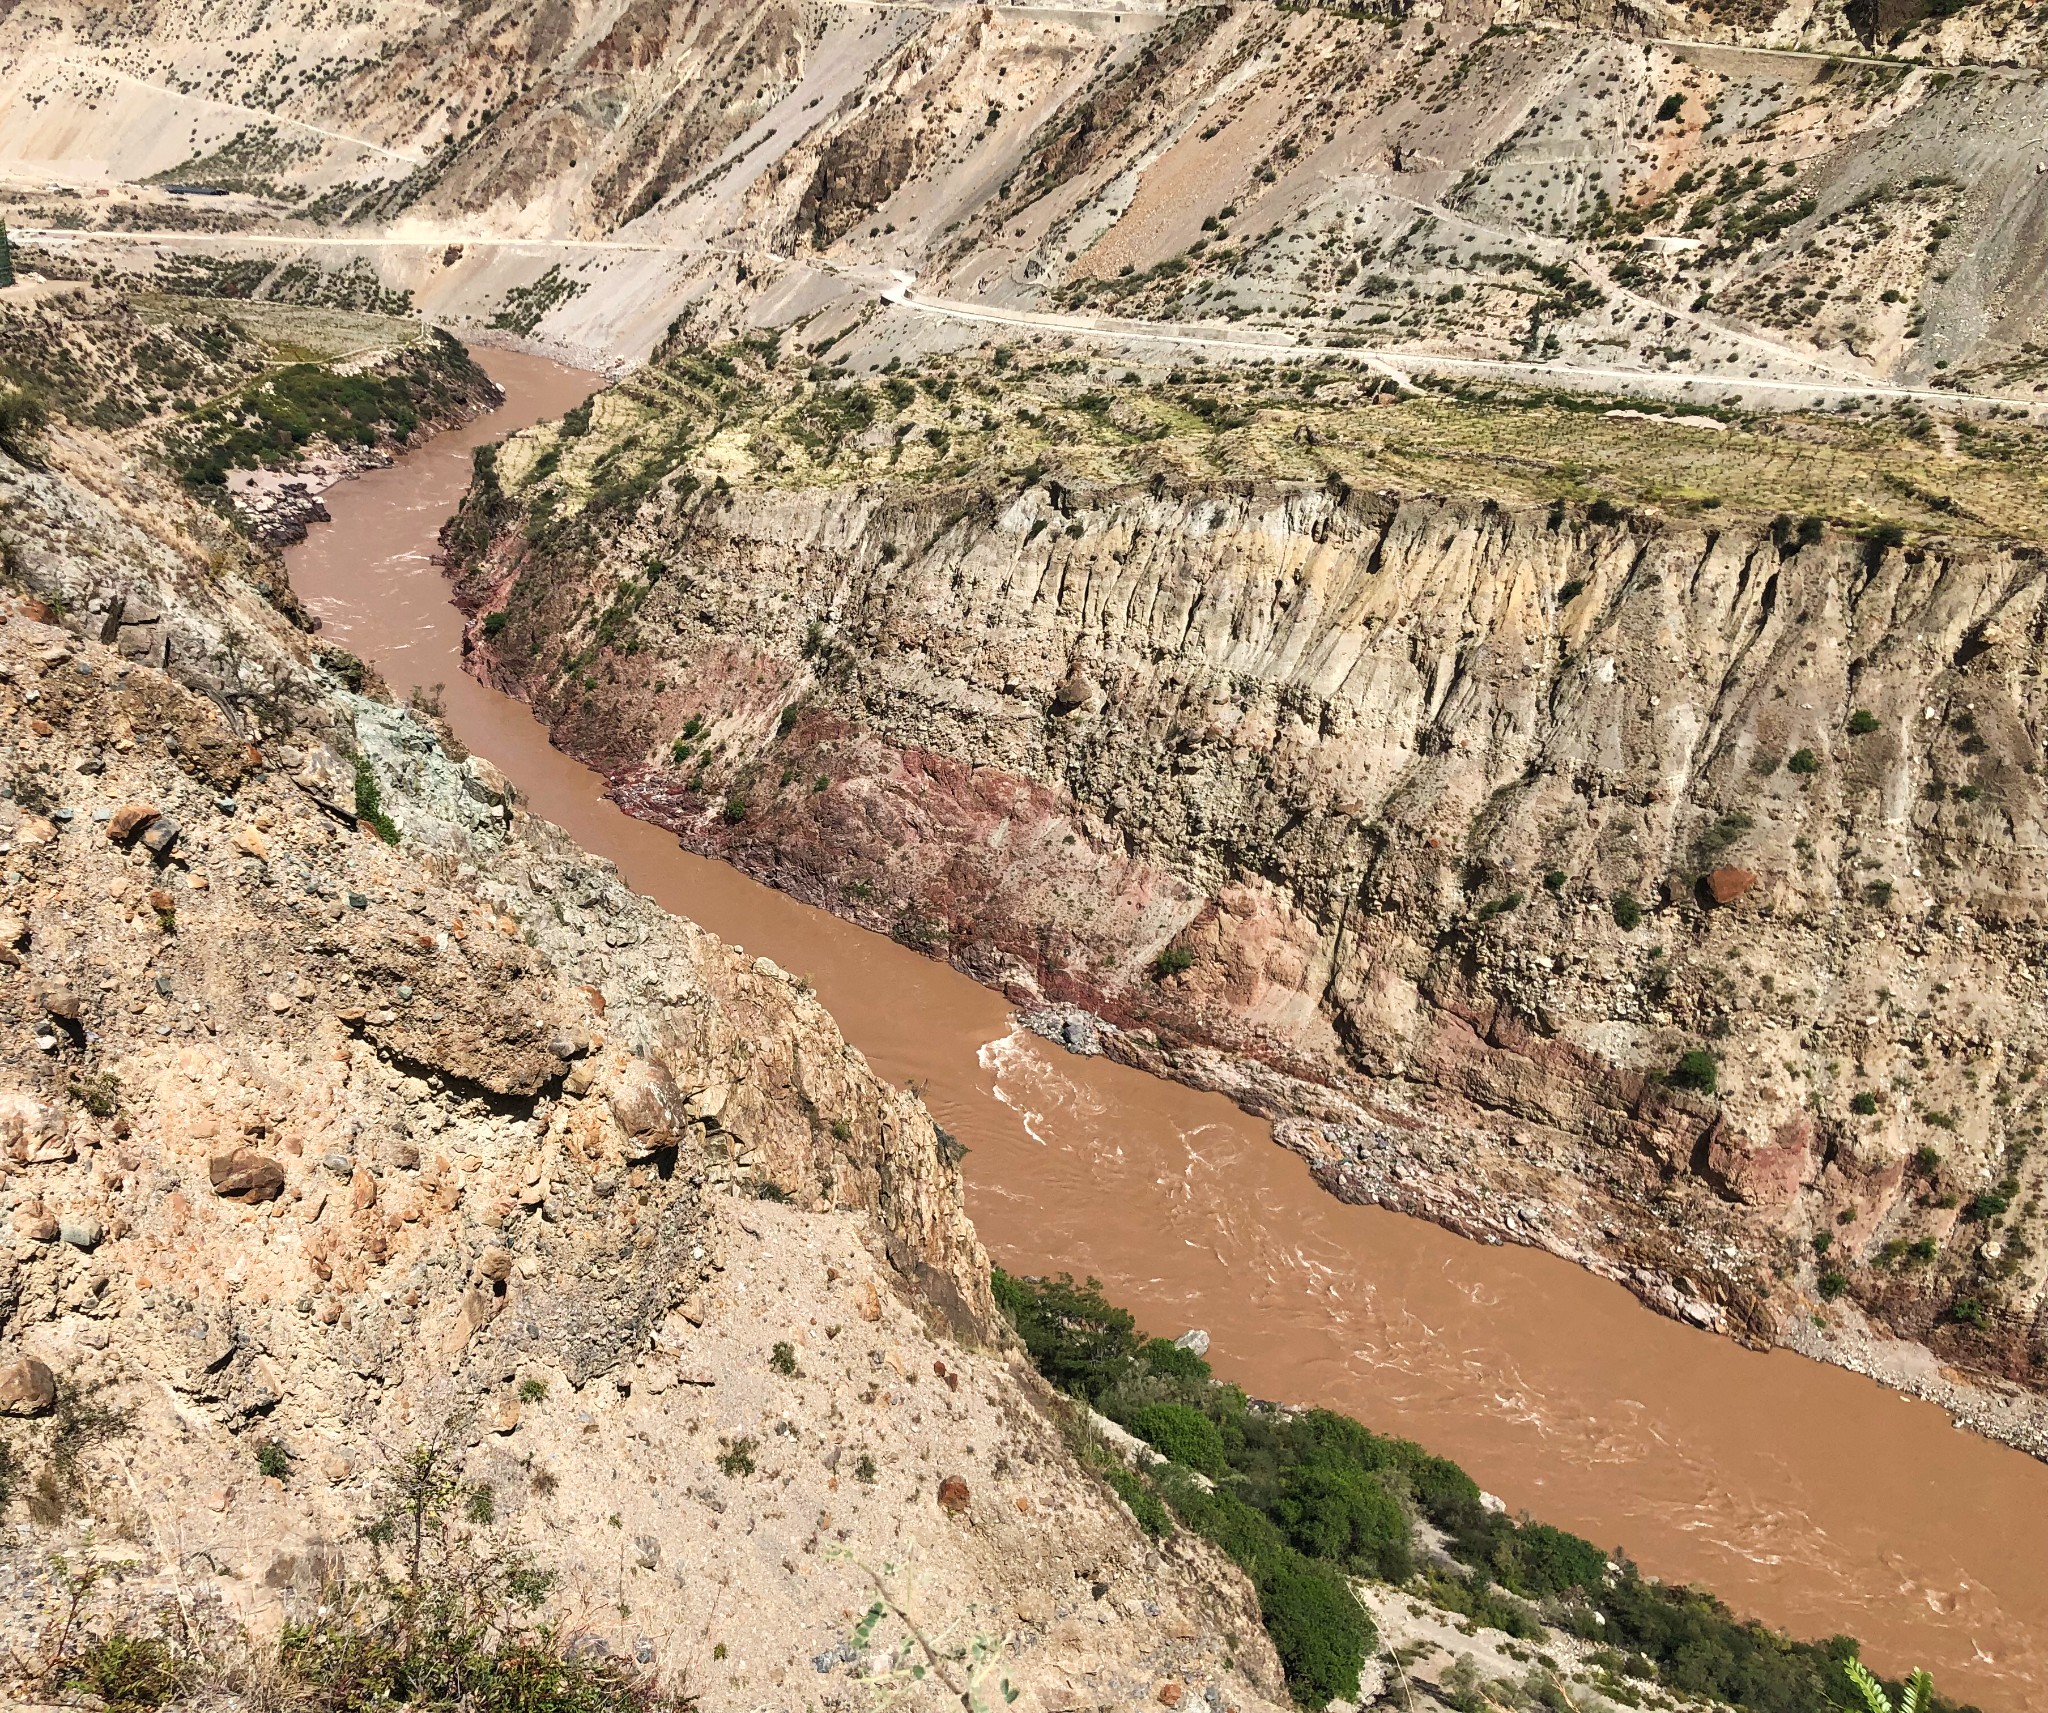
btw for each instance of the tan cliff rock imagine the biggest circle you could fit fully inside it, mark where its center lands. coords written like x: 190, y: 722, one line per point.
x: 317, y: 1144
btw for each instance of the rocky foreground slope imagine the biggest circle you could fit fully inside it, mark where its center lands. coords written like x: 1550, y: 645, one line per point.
x: 317, y: 1149
x: 1569, y: 845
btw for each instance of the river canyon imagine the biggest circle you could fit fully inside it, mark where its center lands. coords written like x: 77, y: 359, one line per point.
x: 1799, y: 1492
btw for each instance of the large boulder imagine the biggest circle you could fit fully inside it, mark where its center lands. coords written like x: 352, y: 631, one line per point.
x: 27, y: 1387
x: 32, y: 1132
x: 328, y: 780
x: 646, y: 1104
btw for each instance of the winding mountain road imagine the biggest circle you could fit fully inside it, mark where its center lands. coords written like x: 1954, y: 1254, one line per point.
x: 898, y: 289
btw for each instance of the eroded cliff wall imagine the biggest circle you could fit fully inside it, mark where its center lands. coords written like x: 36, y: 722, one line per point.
x: 1662, y: 889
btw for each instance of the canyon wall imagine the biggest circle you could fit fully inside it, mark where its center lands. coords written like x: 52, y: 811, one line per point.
x: 1664, y: 891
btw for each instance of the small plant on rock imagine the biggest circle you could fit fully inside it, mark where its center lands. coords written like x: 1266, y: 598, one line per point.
x: 1698, y: 1070
x: 274, y: 1460
x: 783, y: 1358
x: 370, y: 803
x: 737, y: 1459
x: 1916, y: 1694
x: 1628, y: 914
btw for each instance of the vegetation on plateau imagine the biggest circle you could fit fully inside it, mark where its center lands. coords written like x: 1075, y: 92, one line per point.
x: 1305, y: 1500
x: 756, y: 413
x: 269, y: 421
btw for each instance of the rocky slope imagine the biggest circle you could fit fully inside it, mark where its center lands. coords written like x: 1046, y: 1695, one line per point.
x: 1816, y: 193
x: 325, y: 1147
x: 1657, y: 884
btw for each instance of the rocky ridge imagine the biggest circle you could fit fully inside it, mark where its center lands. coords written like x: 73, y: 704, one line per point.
x: 1816, y: 193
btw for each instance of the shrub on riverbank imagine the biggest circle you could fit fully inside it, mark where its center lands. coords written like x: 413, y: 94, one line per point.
x: 1303, y: 1499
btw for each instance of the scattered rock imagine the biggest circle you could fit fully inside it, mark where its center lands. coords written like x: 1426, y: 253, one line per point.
x: 27, y: 1387
x: 953, y: 1496
x: 60, y: 1000
x: 1725, y: 885
x: 246, y: 1175
x: 129, y: 820
x: 160, y: 835
x: 81, y: 1230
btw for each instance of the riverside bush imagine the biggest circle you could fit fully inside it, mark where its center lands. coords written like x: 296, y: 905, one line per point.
x: 1303, y: 1499
x: 1180, y: 1434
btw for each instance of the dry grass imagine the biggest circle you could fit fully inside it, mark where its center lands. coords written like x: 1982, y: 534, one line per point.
x: 290, y: 332
x: 969, y: 421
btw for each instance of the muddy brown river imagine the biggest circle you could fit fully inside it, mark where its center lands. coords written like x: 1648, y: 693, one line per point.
x: 1800, y: 1493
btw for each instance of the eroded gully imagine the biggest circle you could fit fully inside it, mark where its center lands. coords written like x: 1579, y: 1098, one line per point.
x: 1800, y: 1493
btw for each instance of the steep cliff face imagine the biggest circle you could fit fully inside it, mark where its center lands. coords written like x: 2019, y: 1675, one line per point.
x: 321, y: 1144
x: 1662, y: 890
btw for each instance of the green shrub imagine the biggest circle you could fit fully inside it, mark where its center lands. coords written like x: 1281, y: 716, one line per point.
x: 1319, y: 1630
x: 370, y: 803
x: 1183, y: 1434
x: 1833, y: 1283
x: 273, y: 1459
x: 494, y: 623
x: 736, y: 1458
x: 1862, y: 723
x: 1554, y: 880
x: 783, y: 1358
x: 1146, y: 1505
x: 1172, y: 961
x: 1803, y: 761
x: 129, y: 1673
x: 446, y: 1613
x: 735, y: 810
x: 1079, y: 1341
x: 22, y: 413
x: 1294, y: 1477
x: 1169, y: 1361
x: 1863, y: 1104
x: 1345, y: 1516
x: 1628, y: 914
x: 1698, y: 1069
